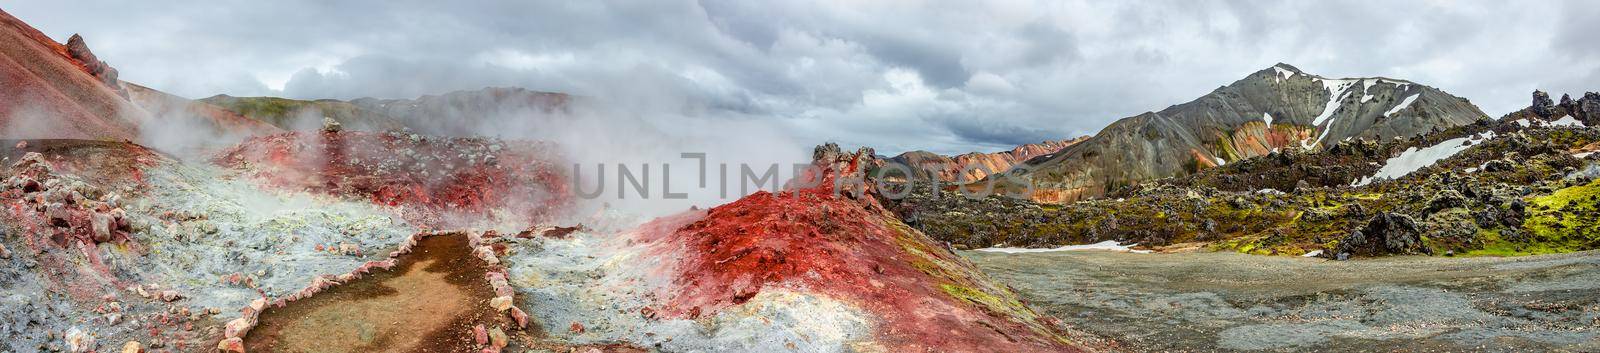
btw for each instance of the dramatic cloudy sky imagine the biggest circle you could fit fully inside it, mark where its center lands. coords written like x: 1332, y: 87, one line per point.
x: 947, y: 76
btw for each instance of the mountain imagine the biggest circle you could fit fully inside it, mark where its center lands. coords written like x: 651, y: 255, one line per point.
x: 459, y: 113
x: 1521, y: 184
x: 974, y: 166
x: 51, y: 90
x: 1275, y: 108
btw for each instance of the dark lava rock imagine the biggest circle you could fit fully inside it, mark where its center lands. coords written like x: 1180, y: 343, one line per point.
x: 1385, y: 234
x: 1589, y: 108
x: 1542, y: 104
x: 1445, y: 200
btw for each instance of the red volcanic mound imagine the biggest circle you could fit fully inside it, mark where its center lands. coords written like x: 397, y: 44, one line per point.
x: 48, y: 94
x: 924, y: 296
x: 436, y: 181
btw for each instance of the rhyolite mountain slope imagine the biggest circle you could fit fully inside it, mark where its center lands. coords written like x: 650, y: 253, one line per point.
x: 55, y: 90
x: 1275, y: 108
x: 972, y: 166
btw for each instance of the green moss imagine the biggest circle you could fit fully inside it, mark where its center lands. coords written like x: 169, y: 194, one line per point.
x: 1563, y: 221
x: 1010, y: 307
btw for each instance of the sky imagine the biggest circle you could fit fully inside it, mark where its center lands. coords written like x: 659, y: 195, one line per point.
x: 944, y: 76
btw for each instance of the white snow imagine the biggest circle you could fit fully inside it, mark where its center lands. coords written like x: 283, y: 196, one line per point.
x: 1414, y: 159
x: 1403, y: 104
x: 1582, y: 155
x: 1221, y: 162
x: 1269, y: 192
x: 1337, y: 90
x: 1567, y: 120
x: 1524, y: 122
x: 1109, y: 245
x: 1283, y: 73
x: 1313, y: 253
x: 1366, y: 88
x: 1267, y: 118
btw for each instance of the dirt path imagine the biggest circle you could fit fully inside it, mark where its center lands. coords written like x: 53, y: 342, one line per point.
x: 1232, y: 302
x: 428, y: 303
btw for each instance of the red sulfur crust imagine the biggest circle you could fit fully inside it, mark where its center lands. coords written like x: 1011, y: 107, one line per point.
x: 815, y: 241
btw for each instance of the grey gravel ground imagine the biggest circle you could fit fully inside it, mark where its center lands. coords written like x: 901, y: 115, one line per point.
x: 1232, y: 302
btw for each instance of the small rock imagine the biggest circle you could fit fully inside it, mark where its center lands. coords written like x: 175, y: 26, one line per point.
x: 132, y: 347
x: 576, y: 328
x: 480, y: 334
x: 101, y: 225
x: 170, y: 295
x: 77, y: 341
x: 330, y: 125
x: 520, y: 317
x: 498, y: 339
x: 500, y: 303
x: 237, y: 328
x: 234, y: 344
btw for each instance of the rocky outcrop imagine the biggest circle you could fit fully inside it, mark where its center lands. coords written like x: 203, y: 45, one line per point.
x: 107, y: 75
x: 1542, y: 104
x: 1585, y: 109
x: 1270, y: 110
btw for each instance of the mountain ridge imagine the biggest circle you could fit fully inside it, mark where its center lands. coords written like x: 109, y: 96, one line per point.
x: 1270, y: 109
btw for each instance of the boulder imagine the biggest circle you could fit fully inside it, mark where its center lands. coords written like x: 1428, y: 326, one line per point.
x: 1447, y: 199
x: 1385, y: 234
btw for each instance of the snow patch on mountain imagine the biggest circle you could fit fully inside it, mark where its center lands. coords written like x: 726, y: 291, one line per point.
x: 1283, y: 74
x: 1403, y: 104
x: 1267, y: 118
x: 1414, y: 159
x: 1337, y: 90
x: 1568, y: 121
x: 1366, y: 89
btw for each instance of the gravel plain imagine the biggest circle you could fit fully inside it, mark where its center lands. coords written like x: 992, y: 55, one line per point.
x: 1205, y: 301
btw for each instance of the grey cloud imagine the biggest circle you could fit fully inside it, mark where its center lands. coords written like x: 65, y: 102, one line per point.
x: 984, y: 75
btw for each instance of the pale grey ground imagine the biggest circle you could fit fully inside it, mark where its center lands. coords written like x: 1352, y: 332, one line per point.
x: 1233, y: 302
